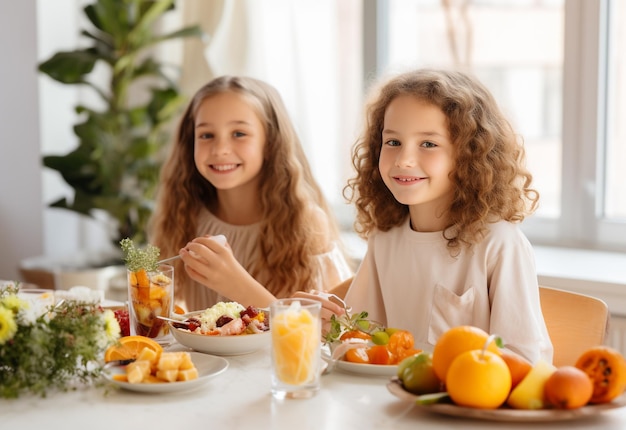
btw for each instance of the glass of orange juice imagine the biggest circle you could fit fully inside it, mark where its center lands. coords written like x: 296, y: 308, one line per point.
x: 151, y: 294
x: 295, y: 325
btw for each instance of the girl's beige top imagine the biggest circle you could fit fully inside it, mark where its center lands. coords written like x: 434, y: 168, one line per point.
x: 332, y: 266
x: 409, y: 280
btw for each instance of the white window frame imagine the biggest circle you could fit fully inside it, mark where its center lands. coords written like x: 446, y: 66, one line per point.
x: 581, y: 224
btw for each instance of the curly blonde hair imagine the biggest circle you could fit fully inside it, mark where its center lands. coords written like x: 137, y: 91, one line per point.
x: 491, y: 181
x: 292, y: 231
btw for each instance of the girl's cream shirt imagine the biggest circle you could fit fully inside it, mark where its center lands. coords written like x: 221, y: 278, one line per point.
x: 332, y: 266
x: 410, y: 280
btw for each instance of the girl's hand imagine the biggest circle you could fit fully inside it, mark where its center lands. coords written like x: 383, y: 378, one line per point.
x: 209, y: 260
x: 329, y: 308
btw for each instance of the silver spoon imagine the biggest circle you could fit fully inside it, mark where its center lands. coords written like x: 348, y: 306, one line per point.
x: 172, y: 320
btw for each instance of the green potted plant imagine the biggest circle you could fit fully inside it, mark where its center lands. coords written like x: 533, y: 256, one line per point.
x: 115, y: 166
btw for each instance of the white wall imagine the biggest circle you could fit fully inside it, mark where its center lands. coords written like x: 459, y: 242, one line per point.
x: 36, y: 118
x: 21, y: 216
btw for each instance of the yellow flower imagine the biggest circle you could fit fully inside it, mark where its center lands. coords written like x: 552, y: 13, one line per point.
x: 111, y: 325
x: 13, y: 303
x: 8, y: 327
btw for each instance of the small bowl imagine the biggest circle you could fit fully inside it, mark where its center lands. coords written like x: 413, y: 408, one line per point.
x: 220, y: 345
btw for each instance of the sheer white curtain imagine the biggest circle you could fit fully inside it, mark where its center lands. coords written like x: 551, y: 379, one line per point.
x: 294, y: 47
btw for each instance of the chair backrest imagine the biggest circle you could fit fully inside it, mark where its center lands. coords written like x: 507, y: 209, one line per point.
x: 341, y: 289
x: 575, y: 322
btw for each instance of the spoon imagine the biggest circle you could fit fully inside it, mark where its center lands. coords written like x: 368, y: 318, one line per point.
x: 173, y: 320
x: 220, y: 238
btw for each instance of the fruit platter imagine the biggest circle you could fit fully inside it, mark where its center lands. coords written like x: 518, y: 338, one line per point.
x: 226, y: 328
x: 138, y: 363
x: 363, y: 346
x: 471, y: 374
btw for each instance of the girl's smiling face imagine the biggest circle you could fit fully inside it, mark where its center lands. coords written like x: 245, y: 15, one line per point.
x: 229, y: 142
x: 416, y: 160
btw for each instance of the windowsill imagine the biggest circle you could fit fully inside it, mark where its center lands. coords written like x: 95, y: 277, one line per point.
x: 597, y: 273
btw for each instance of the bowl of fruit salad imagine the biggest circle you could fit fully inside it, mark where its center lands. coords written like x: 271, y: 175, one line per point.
x: 227, y: 328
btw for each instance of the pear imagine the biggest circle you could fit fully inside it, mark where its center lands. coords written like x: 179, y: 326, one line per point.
x: 529, y: 393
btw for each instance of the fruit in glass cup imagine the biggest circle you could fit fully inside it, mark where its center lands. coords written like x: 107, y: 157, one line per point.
x: 150, y: 296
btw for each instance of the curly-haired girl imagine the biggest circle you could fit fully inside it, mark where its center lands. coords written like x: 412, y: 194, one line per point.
x: 238, y: 169
x: 440, y: 190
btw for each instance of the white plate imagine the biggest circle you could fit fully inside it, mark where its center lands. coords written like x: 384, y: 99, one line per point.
x: 368, y: 369
x: 221, y: 345
x: 208, y: 367
x: 505, y: 414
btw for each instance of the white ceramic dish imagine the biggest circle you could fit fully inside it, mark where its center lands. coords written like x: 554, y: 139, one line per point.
x: 208, y: 367
x: 221, y: 345
x: 367, y: 369
x: 504, y: 414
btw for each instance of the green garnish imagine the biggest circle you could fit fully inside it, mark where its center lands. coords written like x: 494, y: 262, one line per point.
x: 340, y: 325
x: 137, y: 259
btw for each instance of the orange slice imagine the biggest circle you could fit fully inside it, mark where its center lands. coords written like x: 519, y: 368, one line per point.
x: 129, y: 347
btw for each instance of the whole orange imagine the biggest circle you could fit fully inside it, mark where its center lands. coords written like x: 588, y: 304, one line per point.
x: 478, y: 379
x: 518, y: 366
x: 456, y: 341
x: 568, y: 388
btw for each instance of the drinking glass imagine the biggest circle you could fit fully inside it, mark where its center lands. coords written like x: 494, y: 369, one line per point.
x: 295, y: 325
x: 151, y: 294
x: 39, y: 299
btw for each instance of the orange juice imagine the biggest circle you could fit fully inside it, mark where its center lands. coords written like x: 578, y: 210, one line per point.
x: 296, y: 344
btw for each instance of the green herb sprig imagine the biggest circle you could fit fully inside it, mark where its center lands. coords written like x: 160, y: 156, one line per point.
x: 137, y: 259
x: 347, y: 322
x: 56, y: 348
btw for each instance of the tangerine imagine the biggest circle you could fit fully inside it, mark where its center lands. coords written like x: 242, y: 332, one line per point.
x: 355, y: 334
x: 456, y: 341
x: 568, y: 388
x: 129, y: 347
x: 478, y: 379
x: 518, y: 366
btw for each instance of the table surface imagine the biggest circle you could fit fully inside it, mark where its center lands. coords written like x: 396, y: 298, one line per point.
x: 240, y: 398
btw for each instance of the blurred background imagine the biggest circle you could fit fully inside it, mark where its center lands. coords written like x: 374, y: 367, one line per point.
x: 555, y: 66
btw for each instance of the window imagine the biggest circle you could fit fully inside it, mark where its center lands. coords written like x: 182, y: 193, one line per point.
x: 558, y: 72
x: 615, y: 174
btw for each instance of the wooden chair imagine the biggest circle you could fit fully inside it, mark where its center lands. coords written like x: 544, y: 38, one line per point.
x: 341, y: 289
x: 575, y: 322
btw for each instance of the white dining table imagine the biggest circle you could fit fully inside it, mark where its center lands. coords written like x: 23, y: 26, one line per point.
x: 239, y: 398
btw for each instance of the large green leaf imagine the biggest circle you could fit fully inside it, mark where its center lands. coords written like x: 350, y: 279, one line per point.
x: 70, y: 67
x: 115, y: 167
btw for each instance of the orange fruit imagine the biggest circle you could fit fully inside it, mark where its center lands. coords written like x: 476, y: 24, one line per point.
x: 129, y: 347
x: 379, y: 354
x: 357, y: 355
x: 478, y: 379
x: 399, y: 343
x: 518, y: 366
x: 607, y: 369
x: 178, y: 310
x: 456, y: 341
x: 568, y: 388
x: 355, y: 334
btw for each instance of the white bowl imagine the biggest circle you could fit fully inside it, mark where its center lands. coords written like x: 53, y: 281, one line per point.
x: 221, y: 345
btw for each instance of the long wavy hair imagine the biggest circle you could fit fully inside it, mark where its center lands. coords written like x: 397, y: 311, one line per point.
x: 490, y: 177
x: 290, y: 228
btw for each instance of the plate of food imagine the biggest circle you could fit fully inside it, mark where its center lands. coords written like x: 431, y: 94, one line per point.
x: 504, y: 413
x: 227, y: 328
x: 368, y: 369
x: 207, y: 366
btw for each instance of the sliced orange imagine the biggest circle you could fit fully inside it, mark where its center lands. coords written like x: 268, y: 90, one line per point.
x: 129, y: 347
